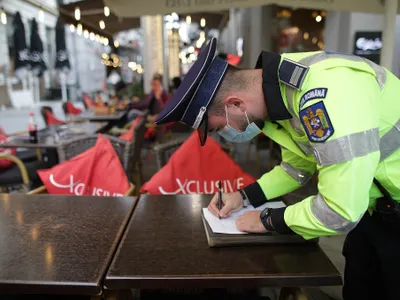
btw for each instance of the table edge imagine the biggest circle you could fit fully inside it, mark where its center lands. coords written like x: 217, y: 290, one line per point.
x: 120, y: 238
x: 157, y: 282
x: 47, y: 287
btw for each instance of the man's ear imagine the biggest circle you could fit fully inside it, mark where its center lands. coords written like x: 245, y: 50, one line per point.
x: 235, y: 102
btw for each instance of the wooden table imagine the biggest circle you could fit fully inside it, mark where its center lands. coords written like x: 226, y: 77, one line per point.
x: 165, y: 246
x: 59, y: 244
x: 47, y: 137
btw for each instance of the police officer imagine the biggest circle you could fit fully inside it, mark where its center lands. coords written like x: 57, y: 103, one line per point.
x: 332, y: 113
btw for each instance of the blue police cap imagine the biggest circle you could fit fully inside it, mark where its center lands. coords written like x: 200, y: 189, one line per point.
x: 191, y: 100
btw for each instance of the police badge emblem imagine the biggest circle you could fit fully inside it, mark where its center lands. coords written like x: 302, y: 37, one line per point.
x: 316, y: 122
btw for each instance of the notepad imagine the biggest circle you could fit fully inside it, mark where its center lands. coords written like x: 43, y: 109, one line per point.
x: 228, y: 225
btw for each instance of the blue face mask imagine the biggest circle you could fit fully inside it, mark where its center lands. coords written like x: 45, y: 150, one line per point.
x: 231, y: 135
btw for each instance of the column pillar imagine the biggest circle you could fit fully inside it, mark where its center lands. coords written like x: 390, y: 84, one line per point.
x: 256, y: 31
x: 153, y: 49
x: 388, y: 38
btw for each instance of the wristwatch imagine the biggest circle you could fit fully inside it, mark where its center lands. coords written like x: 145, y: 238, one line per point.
x: 246, y: 201
x: 265, y: 217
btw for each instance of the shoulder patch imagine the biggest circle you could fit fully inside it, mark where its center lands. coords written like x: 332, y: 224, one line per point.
x: 292, y: 73
x: 316, y: 122
x: 317, y: 93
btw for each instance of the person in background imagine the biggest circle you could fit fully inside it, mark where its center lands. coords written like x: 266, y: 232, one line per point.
x: 176, y: 82
x: 154, y: 102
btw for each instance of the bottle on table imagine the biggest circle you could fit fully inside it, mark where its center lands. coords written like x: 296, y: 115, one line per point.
x: 32, y: 128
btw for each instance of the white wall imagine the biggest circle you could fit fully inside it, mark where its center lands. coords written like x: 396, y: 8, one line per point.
x: 87, y: 73
x: 340, y: 29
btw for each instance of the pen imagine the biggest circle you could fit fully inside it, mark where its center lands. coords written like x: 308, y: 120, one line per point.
x: 219, y: 197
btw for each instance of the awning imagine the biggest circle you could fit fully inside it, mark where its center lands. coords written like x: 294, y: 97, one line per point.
x: 136, y: 8
x: 92, y: 12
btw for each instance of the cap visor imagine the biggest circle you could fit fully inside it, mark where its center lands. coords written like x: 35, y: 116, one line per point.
x: 202, y: 130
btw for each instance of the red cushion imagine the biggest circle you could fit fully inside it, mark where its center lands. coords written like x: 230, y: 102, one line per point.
x: 128, y: 136
x: 71, y: 109
x: 193, y: 169
x: 150, y: 133
x: 89, y: 102
x: 52, y: 120
x: 95, y: 172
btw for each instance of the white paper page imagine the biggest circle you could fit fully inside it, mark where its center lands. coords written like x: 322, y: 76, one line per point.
x: 228, y: 225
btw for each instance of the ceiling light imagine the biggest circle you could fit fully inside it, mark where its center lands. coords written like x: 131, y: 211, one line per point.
x: 79, y: 29
x: 102, y: 24
x: 175, y: 16
x: 77, y: 13
x: 106, y: 11
x: 3, y: 16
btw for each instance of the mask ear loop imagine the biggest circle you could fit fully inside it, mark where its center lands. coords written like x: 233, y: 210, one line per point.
x: 226, y: 115
x: 248, y: 121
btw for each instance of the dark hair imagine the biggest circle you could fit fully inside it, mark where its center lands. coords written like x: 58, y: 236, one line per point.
x: 177, y: 82
x: 233, y: 81
x: 157, y: 77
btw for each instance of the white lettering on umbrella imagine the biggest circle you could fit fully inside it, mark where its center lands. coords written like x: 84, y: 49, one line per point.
x: 181, y: 188
x: 78, y: 188
x: 193, y: 186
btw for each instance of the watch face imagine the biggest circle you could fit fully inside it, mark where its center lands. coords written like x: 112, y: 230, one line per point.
x: 265, y: 212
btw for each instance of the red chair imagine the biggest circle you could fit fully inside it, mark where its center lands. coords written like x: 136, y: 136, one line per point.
x: 48, y: 116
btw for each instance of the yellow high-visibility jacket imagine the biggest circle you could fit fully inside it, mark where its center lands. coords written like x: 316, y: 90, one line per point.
x: 345, y: 123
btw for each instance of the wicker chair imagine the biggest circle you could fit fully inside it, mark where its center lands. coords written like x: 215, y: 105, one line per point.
x: 125, y: 151
x: 165, y: 150
x: 128, y: 152
x: 23, y: 175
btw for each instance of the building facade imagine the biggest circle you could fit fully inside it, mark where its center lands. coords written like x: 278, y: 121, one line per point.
x: 87, y: 73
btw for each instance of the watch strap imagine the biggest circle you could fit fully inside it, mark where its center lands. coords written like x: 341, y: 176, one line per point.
x: 265, y: 217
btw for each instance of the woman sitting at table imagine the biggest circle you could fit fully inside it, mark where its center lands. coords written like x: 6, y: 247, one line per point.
x: 154, y: 102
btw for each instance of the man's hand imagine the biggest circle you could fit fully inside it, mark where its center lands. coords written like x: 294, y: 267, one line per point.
x: 231, y: 202
x: 152, y: 118
x: 250, y: 222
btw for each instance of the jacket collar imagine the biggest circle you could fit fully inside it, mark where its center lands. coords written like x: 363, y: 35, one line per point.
x: 269, y: 63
